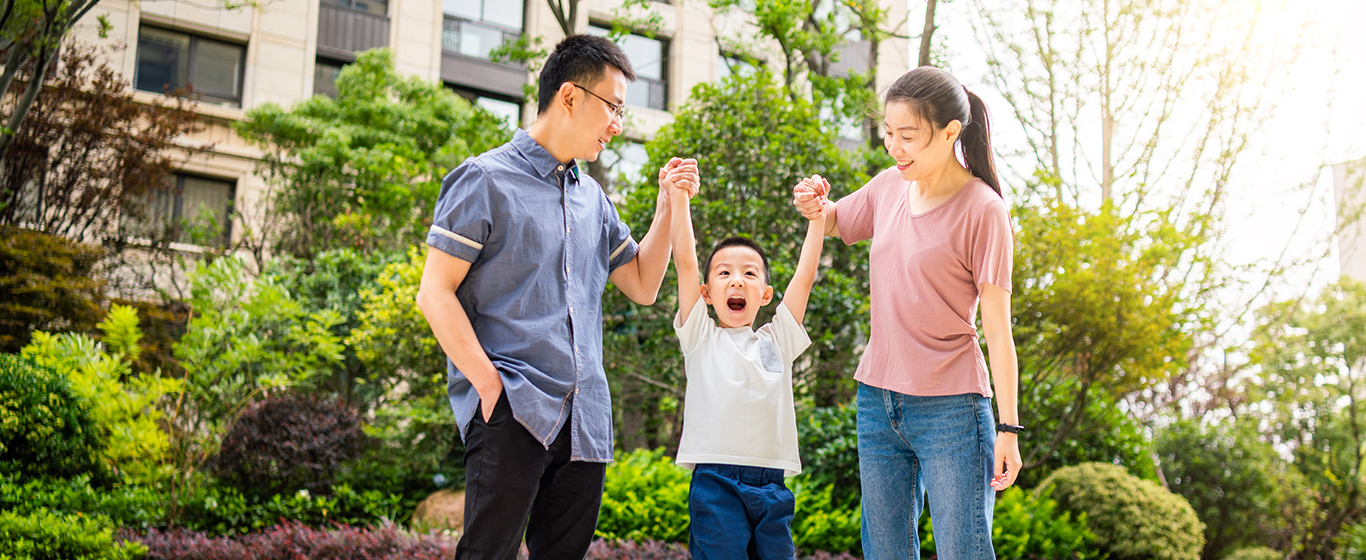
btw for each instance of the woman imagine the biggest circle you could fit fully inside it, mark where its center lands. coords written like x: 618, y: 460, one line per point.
x: 941, y: 242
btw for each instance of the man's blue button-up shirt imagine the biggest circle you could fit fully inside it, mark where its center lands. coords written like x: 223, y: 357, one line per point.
x: 541, y: 240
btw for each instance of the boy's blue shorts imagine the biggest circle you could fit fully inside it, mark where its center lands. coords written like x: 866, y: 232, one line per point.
x: 740, y: 513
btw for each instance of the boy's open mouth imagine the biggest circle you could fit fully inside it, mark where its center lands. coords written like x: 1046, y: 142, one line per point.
x: 736, y: 303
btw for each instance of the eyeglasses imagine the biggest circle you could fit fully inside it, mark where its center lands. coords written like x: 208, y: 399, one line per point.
x: 618, y: 111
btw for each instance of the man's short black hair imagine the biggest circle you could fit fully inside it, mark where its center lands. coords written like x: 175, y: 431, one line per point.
x: 737, y: 242
x: 583, y: 60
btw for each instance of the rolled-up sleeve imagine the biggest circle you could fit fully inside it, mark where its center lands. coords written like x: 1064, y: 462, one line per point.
x: 463, y: 219
x: 623, y: 246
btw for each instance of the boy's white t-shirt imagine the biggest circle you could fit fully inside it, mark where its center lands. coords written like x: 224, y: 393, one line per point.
x: 738, y: 409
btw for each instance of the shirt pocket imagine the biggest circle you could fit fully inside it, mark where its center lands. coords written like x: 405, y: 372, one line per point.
x: 769, y: 357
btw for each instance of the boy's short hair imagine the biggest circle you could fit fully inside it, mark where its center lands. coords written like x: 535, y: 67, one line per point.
x: 580, y: 59
x: 736, y: 241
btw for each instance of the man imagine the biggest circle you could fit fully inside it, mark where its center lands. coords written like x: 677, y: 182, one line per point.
x: 524, y: 245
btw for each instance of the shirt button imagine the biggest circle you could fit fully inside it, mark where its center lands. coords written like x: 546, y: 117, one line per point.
x: 560, y: 168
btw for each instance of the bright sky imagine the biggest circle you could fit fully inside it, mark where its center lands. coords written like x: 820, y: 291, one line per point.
x: 1320, y: 119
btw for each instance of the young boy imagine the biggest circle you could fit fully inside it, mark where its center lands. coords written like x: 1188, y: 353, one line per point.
x: 739, y: 426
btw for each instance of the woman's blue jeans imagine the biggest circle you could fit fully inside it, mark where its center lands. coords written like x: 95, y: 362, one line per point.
x: 909, y: 446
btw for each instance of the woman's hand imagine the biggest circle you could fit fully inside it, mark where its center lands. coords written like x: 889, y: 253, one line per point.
x: 809, y: 196
x: 1007, y: 463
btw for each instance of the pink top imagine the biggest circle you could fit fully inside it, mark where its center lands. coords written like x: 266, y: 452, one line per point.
x: 926, y: 273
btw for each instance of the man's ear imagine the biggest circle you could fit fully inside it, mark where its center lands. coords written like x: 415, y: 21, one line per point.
x: 565, y: 96
x: 767, y: 297
x: 706, y: 294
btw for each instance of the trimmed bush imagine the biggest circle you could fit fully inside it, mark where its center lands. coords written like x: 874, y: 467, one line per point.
x: 1132, y: 518
x: 1259, y: 553
x: 828, y: 438
x: 45, y: 428
x: 287, y: 443
x: 220, y: 511
x: 47, y: 283
x: 44, y: 535
x: 123, y: 505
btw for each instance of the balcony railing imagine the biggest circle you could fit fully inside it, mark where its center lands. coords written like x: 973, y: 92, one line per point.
x: 344, y: 31
x: 474, y: 38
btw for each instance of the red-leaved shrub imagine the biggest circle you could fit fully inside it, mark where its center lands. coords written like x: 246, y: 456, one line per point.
x: 287, y: 443
x: 294, y: 541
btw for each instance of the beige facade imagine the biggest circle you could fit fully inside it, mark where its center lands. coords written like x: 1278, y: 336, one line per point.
x: 285, y: 45
x: 1349, y: 182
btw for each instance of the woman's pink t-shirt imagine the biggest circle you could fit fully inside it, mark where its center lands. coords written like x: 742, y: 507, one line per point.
x: 926, y: 272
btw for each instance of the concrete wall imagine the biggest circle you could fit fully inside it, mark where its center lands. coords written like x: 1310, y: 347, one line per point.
x: 1349, y: 180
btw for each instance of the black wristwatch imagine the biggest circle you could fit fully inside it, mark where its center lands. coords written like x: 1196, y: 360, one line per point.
x: 1012, y: 428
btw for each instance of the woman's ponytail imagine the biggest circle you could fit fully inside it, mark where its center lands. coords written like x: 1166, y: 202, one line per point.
x: 976, y: 139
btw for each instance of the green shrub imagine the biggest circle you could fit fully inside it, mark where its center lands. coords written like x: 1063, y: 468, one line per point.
x: 124, y: 505
x: 1132, y: 518
x: 819, y: 523
x: 45, y: 428
x: 122, y: 404
x: 44, y: 535
x: 1029, y: 526
x: 828, y: 438
x: 46, y: 283
x: 645, y: 497
x: 222, y: 511
x: 1263, y: 553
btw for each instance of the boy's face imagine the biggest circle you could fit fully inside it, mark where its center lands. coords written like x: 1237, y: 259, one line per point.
x: 736, y: 287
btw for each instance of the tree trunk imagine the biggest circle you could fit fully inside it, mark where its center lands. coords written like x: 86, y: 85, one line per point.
x: 927, y: 34
x: 35, y: 85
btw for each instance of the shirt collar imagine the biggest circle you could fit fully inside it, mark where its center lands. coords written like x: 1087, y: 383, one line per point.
x: 540, y: 159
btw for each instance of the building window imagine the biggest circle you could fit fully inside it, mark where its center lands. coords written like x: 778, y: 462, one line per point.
x: 376, y: 7
x: 170, y: 60
x: 648, y: 57
x: 476, y: 27
x: 508, y: 109
x: 197, y: 209
x: 325, y: 73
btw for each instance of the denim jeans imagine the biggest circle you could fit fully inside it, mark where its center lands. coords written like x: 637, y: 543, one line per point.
x: 739, y: 512
x: 909, y: 446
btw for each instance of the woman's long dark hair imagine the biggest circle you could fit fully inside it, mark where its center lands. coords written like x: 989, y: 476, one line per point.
x: 939, y: 99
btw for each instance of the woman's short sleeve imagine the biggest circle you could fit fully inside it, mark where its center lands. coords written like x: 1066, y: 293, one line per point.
x: 857, y: 213
x: 993, y: 246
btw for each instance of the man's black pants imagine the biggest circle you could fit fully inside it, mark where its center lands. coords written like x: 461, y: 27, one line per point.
x: 515, y: 486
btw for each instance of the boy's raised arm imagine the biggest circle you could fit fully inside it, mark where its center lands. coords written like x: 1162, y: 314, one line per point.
x: 685, y: 252
x: 799, y: 289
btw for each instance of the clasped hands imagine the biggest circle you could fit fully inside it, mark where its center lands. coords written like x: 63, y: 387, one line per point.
x: 809, y: 196
x: 680, y: 174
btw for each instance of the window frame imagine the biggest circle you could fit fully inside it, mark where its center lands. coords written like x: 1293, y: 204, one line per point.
x: 665, y: 59
x: 193, y: 55
x: 177, y: 209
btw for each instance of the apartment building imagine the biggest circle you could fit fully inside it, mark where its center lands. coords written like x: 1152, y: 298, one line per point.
x: 1349, y: 182
x: 284, y: 51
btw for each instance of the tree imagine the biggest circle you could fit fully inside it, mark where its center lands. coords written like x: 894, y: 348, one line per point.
x: 1231, y: 479
x: 1150, y: 102
x: 1310, y: 358
x: 753, y: 143
x: 361, y: 170
x: 30, y: 32
x: 1098, y: 319
x: 87, y: 158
